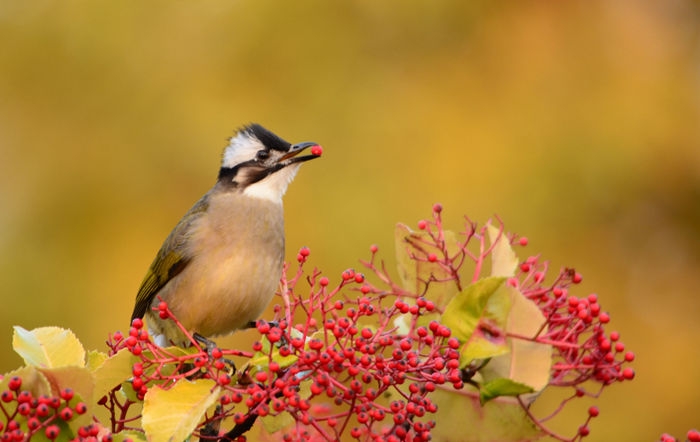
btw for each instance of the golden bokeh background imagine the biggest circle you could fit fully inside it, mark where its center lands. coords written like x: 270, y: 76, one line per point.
x: 578, y: 123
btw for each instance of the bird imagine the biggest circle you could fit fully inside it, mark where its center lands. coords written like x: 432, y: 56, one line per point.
x: 220, y: 266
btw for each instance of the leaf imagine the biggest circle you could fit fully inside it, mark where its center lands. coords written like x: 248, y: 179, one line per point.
x: 95, y: 359
x: 134, y: 436
x: 415, y: 274
x: 501, y: 387
x: 80, y: 380
x: 504, y: 261
x: 477, y: 317
x: 527, y: 362
x: 48, y: 347
x: 33, y: 381
x: 112, y: 372
x: 461, y: 418
x: 172, y: 415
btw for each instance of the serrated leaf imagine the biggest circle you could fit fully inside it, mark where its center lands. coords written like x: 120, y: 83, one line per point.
x: 48, y: 347
x: 80, y: 380
x: 95, y: 359
x: 504, y: 261
x: 113, y: 371
x: 172, y: 415
x: 461, y: 418
x: 502, y: 387
x: 527, y: 362
x: 33, y: 381
x: 415, y: 274
x: 477, y: 317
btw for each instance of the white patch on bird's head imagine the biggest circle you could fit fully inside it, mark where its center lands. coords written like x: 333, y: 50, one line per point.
x: 242, y: 147
x: 274, y: 186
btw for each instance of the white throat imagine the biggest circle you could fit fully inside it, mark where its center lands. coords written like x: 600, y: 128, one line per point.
x: 273, y: 187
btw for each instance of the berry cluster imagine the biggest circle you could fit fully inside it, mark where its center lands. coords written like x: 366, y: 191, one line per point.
x: 350, y: 352
x: 692, y: 436
x: 574, y: 326
x: 575, y: 329
x: 25, y: 415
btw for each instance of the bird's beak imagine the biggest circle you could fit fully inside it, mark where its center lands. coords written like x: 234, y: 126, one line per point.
x: 291, y: 156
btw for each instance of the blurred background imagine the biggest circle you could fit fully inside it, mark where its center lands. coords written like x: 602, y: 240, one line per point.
x: 578, y: 123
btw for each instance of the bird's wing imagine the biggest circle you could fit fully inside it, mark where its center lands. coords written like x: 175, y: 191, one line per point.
x: 172, y: 258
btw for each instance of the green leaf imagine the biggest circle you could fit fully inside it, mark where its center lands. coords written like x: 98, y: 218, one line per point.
x: 477, y: 317
x: 504, y: 261
x: 502, y: 387
x: 172, y: 415
x: 415, y: 274
x: 48, y: 347
x: 461, y: 418
x: 528, y: 362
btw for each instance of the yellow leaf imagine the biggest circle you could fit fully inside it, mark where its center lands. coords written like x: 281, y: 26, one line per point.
x: 78, y: 379
x: 48, y: 347
x: 504, y: 261
x: 461, y: 418
x: 527, y: 362
x: 172, y: 415
x: 416, y: 273
x: 112, y: 372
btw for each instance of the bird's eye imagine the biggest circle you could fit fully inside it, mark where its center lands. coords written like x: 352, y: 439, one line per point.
x: 262, y: 155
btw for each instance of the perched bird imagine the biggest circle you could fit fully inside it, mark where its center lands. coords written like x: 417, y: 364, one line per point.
x: 220, y: 266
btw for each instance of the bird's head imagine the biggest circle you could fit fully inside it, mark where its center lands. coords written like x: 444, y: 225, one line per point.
x: 261, y: 164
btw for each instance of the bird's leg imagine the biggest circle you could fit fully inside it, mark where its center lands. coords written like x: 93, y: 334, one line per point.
x: 210, y: 346
x: 208, y: 343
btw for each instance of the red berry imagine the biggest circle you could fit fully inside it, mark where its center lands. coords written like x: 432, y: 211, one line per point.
x: 261, y: 376
x: 66, y: 414
x: 323, y: 281
x: 437, y: 207
x: 316, y: 150
x: 24, y: 409
x: 80, y: 408
x: 52, y: 432
x: 67, y: 394
x: 593, y: 411
x: 577, y: 278
x: 693, y: 435
x: 374, y: 248
x: 522, y: 241
x: 137, y: 323
x: 15, y: 383
x: 628, y: 373
x: 224, y: 379
x: 304, y: 251
x: 422, y: 224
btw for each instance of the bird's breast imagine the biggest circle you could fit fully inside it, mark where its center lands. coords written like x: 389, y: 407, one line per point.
x: 237, y: 253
